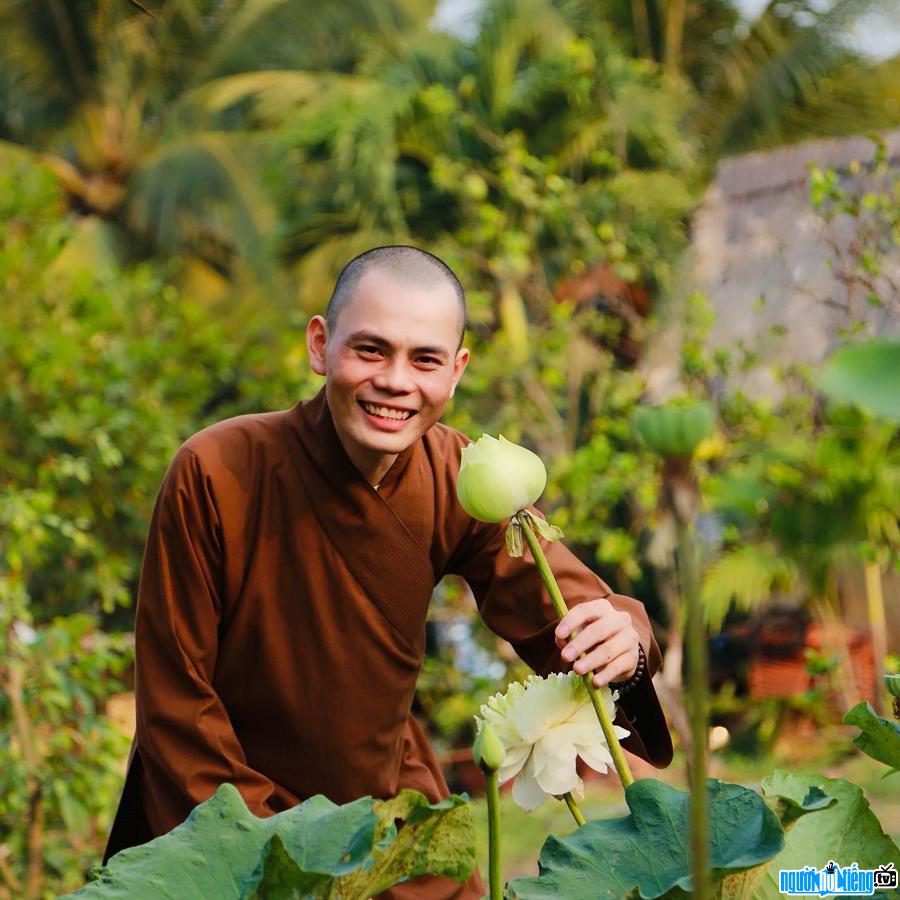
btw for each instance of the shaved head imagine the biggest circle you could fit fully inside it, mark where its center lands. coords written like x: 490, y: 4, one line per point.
x: 407, y: 265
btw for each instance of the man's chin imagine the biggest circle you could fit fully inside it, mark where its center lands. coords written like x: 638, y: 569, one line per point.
x: 390, y: 444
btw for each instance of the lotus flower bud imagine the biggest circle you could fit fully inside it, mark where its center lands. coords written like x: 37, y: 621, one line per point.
x: 497, y: 479
x: 488, y: 751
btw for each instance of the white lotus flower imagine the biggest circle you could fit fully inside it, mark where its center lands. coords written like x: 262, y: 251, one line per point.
x: 544, y: 725
x: 498, y: 478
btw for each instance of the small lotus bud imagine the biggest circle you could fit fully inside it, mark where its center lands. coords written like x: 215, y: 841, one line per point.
x: 488, y: 751
x: 497, y: 479
x: 892, y: 683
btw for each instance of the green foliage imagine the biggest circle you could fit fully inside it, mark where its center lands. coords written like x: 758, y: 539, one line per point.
x: 865, y: 203
x: 867, y: 375
x: 744, y: 577
x: 649, y: 851
x: 552, y: 167
x: 801, y: 487
x: 112, y: 100
x: 60, y: 756
x: 316, y: 849
x: 799, y: 491
x: 878, y: 738
x: 104, y: 374
x: 848, y: 830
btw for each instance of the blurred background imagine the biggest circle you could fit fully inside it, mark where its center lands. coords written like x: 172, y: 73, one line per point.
x: 643, y: 198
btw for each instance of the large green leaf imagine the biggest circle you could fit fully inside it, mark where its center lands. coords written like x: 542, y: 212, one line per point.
x: 743, y: 885
x: 429, y: 842
x: 879, y: 738
x: 847, y: 832
x: 867, y: 375
x: 316, y: 849
x: 648, y: 851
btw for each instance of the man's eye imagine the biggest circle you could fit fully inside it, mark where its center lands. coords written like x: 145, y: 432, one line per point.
x: 429, y: 360
x: 369, y: 351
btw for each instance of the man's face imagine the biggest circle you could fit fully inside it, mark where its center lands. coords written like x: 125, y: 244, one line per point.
x: 391, y: 364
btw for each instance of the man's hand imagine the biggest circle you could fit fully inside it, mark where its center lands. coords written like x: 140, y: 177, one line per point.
x: 606, y: 635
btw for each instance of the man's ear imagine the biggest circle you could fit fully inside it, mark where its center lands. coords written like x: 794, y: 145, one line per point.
x: 316, y: 339
x: 459, y: 366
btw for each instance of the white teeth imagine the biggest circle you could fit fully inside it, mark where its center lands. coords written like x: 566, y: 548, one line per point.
x: 386, y: 413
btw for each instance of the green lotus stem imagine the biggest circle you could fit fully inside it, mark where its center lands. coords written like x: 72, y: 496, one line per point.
x: 495, y: 875
x: 559, y: 604
x: 572, y: 803
x: 697, y: 683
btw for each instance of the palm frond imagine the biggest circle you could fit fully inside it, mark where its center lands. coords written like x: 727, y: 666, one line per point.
x: 745, y: 577
x: 317, y: 270
x: 309, y: 36
x: 195, y: 190
x: 778, y: 69
x: 273, y: 92
x: 857, y: 96
x: 508, y: 29
x: 47, y: 64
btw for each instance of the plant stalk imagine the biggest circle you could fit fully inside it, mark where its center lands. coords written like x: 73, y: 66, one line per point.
x: 641, y: 21
x: 698, y: 702
x: 574, y: 808
x: 559, y: 604
x: 674, y: 35
x: 878, y: 627
x: 495, y: 874
x: 34, y: 844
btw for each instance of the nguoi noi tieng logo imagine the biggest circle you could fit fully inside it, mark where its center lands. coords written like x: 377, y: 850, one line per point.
x: 833, y: 880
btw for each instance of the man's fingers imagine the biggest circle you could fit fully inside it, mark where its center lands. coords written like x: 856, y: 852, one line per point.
x: 604, y: 637
x: 602, y: 655
x: 576, y: 617
x: 620, y: 669
x: 595, y: 633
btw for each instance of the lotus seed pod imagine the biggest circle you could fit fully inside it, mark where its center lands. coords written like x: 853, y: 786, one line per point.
x: 674, y: 430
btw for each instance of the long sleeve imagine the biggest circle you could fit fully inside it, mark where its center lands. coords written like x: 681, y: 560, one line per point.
x: 514, y: 604
x: 185, y: 738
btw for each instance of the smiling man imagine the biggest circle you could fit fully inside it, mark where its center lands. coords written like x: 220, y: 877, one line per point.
x: 392, y: 355
x: 289, y: 566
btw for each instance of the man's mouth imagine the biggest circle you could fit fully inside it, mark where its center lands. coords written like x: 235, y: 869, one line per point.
x: 386, y: 412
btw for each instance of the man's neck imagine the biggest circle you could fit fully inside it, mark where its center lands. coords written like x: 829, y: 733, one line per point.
x: 374, y: 476
x: 372, y: 466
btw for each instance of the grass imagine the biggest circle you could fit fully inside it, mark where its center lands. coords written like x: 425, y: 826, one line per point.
x: 524, y: 834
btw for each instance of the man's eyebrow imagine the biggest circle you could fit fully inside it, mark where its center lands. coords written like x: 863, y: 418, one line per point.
x: 370, y: 338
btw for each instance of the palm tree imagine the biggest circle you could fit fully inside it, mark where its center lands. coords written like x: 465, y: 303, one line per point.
x: 786, y: 75
x: 390, y: 149
x: 106, y: 96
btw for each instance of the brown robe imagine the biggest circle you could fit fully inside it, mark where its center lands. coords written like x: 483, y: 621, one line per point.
x: 280, y: 623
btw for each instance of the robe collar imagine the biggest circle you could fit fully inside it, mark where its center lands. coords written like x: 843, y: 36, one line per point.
x: 313, y: 421
x: 377, y: 547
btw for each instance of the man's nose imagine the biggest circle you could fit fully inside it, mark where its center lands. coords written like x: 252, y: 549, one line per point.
x: 395, y: 377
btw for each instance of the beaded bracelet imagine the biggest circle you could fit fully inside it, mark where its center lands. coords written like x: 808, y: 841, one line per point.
x: 623, y: 687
